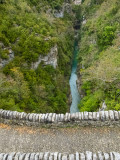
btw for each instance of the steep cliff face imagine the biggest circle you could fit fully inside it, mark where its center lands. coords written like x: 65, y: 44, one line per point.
x: 66, y: 7
x: 77, y: 2
x: 50, y: 59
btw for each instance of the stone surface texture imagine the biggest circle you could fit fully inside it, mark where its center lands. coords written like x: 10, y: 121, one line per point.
x: 66, y: 156
x: 77, y: 2
x: 59, y: 136
x: 16, y: 138
x: 101, y: 118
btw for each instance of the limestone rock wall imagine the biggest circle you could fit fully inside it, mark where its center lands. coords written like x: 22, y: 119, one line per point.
x: 50, y: 59
x: 101, y: 118
x: 77, y: 2
x: 65, y: 8
x: 59, y: 156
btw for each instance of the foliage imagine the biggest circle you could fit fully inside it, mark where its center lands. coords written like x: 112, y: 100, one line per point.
x: 16, y: 91
x: 4, y: 54
x: 99, y: 56
x: 91, y: 102
x: 30, y: 31
x: 106, y: 36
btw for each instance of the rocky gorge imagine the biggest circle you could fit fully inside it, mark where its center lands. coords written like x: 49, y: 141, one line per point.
x: 49, y: 49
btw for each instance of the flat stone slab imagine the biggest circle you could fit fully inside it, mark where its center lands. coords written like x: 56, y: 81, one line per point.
x: 25, y: 139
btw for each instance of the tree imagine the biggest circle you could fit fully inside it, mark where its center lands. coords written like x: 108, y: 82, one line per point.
x: 21, y: 85
x: 106, y: 36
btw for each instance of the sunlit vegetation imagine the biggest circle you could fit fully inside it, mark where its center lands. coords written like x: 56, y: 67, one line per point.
x: 30, y: 29
x: 99, y: 57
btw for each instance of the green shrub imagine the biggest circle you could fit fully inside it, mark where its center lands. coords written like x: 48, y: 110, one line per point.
x: 4, y: 54
x: 106, y: 36
x: 91, y: 102
x: 96, y: 1
x: 117, y: 107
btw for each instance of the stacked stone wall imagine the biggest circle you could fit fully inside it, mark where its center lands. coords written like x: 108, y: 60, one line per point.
x: 59, y: 156
x: 102, y: 118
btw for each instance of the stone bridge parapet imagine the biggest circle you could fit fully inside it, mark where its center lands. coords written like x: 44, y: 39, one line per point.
x: 101, y: 118
x: 59, y: 156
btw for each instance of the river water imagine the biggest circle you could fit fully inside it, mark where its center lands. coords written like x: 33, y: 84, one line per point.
x: 73, y: 85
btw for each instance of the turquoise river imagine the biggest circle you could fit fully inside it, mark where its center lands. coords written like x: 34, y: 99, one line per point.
x: 73, y: 84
